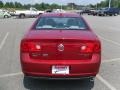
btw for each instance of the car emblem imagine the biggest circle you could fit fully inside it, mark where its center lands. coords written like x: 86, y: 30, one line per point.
x: 61, y: 47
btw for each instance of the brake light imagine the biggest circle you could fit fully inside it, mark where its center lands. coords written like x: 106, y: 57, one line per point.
x: 30, y: 46
x: 90, y: 47
x: 97, y: 47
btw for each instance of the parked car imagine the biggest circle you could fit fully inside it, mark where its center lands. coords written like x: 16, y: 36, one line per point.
x: 86, y: 11
x: 91, y: 12
x: 108, y: 11
x: 60, y: 45
x: 58, y: 11
x: 28, y: 13
x: 55, y: 11
x: 95, y: 13
x: 101, y: 12
x: 4, y: 14
x: 48, y: 11
x: 112, y: 11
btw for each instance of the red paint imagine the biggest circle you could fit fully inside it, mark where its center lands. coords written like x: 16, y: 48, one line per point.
x: 79, y: 49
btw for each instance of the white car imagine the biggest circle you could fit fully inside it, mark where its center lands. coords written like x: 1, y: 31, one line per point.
x: 33, y: 12
x: 58, y: 11
x: 4, y: 14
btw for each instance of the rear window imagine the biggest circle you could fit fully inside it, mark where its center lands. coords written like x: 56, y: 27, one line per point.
x: 66, y: 23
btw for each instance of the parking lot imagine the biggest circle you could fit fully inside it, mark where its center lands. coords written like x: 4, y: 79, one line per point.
x: 11, y: 77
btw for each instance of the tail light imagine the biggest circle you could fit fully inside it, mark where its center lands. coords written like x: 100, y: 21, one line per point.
x: 92, y: 47
x: 30, y: 46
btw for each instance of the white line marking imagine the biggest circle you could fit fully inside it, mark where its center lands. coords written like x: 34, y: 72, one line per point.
x: 111, y: 60
x: 116, y: 43
x: 10, y: 75
x: 109, y: 40
x: 114, y: 29
x: 106, y: 83
x: 3, y: 41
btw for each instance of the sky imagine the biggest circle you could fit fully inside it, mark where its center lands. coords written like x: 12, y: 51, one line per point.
x: 81, y: 2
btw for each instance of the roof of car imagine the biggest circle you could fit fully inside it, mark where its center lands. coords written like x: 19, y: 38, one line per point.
x: 60, y: 15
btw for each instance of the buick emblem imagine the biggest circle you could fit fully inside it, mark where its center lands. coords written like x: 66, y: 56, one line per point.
x: 61, y: 47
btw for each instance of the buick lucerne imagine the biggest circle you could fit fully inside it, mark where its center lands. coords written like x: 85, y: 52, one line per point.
x: 60, y: 45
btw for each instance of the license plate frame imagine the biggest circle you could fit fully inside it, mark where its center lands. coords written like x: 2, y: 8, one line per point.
x: 63, y: 70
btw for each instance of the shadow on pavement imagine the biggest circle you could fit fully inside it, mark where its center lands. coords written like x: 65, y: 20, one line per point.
x: 37, y: 84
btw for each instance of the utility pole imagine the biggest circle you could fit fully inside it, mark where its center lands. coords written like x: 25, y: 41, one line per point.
x: 109, y: 3
x: 61, y: 6
x: 96, y: 6
x: 72, y: 6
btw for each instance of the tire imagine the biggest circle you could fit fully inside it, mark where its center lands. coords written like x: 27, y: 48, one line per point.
x: 22, y: 16
x: 105, y: 14
x: 110, y: 14
x: 6, y: 16
x: 40, y: 13
x: 115, y: 14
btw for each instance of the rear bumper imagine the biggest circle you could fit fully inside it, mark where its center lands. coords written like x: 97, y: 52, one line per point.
x: 43, y: 68
x: 60, y: 78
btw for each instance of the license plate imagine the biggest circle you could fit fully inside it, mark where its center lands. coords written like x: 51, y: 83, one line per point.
x: 60, y: 69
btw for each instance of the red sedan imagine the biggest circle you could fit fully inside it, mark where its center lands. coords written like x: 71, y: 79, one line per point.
x: 60, y: 45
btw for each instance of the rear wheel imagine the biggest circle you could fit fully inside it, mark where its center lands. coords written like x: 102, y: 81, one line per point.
x: 40, y: 13
x: 115, y: 14
x: 22, y: 16
x: 6, y: 16
x: 110, y: 14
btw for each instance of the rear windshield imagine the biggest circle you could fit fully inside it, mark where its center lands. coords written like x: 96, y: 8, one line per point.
x: 66, y: 23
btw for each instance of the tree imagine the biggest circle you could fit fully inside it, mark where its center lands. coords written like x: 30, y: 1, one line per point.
x: 42, y: 6
x: 11, y: 5
x: 18, y: 5
x: 114, y: 3
x: 7, y: 5
x: 26, y: 6
x: 92, y: 6
x: 119, y: 4
x: 37, y: 6
x: 1, y: 4
x: 54, y: 6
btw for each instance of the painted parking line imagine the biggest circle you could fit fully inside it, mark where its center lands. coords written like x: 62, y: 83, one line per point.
x: 11, y: 75
x: 114, y: 42
x: 106, y: 83
x: 111, y: 41
x: 4, y: 40
x: 98, y: 77
x: 111, y: 60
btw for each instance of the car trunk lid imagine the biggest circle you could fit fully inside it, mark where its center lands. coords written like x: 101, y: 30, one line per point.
x: 62, y: 44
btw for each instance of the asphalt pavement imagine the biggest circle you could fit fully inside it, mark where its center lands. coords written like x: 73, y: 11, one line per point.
x: 11, y: 77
